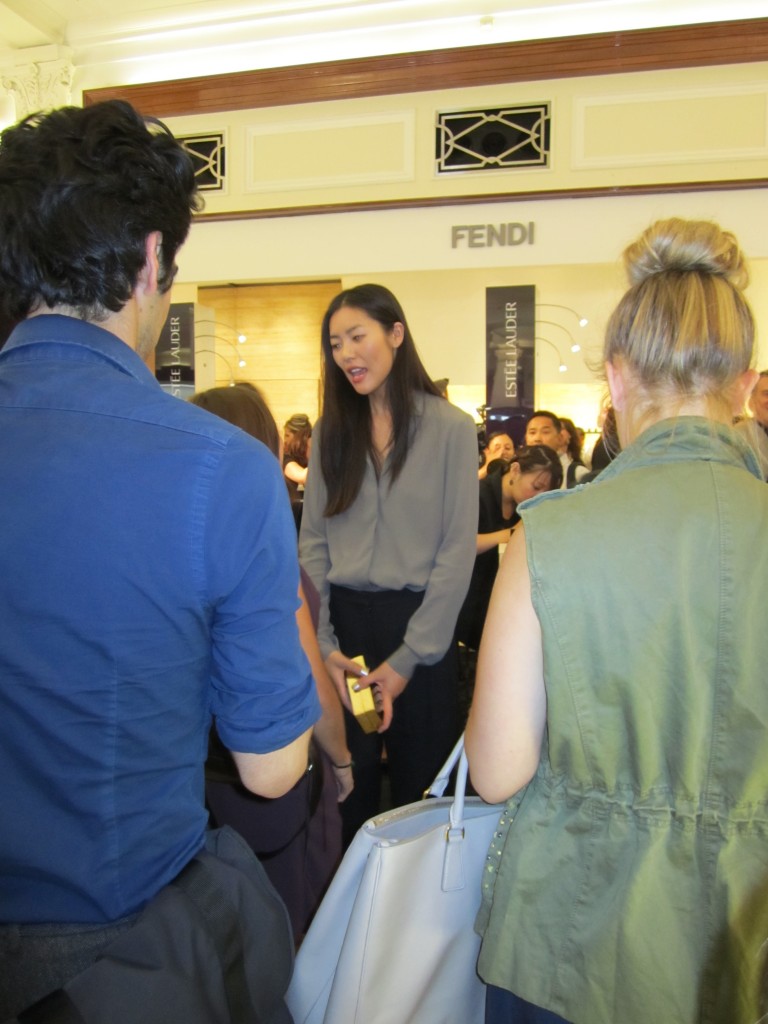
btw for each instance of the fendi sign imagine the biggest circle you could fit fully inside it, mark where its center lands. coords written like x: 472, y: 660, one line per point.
x: 484, y: 236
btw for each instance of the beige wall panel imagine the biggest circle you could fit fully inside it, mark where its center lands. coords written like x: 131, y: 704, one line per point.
x: 446, y: 314
x: 319, y: 154
x: 575, y: 262
x: 625, y: 131
x: 286, y: 397
x: 607, y: 131
x: 581, y: 403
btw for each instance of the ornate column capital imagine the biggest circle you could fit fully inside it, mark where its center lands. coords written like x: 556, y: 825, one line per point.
x: 39, y: 85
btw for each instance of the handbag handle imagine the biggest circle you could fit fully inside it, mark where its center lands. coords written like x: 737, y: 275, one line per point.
x: 437, y: 788
x: 439, y: 785
x: 453, y: 861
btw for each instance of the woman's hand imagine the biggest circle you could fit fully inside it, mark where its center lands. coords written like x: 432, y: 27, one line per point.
x: 343, y: 776
x: 387, y: 685
x: 339, y: 666
x: 485, y: 541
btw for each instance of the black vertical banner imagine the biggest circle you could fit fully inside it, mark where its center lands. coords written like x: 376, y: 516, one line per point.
x: 510, y: 352
x: 175, y: 352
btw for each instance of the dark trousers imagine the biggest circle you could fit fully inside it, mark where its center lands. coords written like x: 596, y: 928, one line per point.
x: 277, y: 832
x: 426, y: 721
x: 502, y: 1007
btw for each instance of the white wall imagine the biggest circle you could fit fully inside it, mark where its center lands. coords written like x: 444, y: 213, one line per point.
x: 574, y: 261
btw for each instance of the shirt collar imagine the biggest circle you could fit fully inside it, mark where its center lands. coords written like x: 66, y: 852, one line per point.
x: 683, y: 437
x: 32, y: 336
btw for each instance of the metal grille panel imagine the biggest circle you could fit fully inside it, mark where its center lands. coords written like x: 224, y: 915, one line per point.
x: 493, y: 139
x: 208, y: 154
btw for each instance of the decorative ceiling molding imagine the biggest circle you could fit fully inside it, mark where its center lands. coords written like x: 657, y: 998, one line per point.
x: 381, y: 206
x: 705, y: 45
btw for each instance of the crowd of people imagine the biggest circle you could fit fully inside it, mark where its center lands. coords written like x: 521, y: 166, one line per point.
x: 190, y: 598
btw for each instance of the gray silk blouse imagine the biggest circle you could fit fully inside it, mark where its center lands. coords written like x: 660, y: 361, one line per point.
x: 418, y: 533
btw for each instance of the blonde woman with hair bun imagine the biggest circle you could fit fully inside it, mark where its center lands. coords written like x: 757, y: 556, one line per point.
x: 628, y: 879
x: 681, y: 340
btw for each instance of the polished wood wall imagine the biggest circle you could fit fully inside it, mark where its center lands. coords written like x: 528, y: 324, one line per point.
x: 726, y: 42
x: 281, y: 323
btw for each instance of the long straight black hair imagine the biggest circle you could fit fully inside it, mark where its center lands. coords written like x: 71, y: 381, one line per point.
x: 347, y: 436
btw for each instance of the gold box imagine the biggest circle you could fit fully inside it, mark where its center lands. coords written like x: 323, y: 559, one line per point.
x: 363, y: 706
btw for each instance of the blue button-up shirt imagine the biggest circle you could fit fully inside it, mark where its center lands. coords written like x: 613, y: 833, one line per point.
x: 148, y: 580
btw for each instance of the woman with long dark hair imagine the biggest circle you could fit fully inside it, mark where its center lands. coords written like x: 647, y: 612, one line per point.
x: 298, y: 836
x: 388, y: 538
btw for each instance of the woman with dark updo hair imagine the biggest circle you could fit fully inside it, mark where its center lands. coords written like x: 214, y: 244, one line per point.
x: 532, y: 470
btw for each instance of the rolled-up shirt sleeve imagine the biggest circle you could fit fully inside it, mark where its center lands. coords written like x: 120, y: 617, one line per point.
x: 262, y: 692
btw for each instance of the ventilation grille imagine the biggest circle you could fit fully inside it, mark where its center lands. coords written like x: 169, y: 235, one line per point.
x: 493, y: 139
x: 208, y: 154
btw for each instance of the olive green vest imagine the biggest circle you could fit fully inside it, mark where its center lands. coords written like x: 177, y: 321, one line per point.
x: 629, y: 882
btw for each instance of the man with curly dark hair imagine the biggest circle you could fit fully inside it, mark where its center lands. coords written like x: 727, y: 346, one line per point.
x: 148, y: 570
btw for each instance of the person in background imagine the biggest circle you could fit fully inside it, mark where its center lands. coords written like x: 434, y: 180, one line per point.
x: 498, y: 446
x: 575, y: 443
x: 298, y: 837
x: 545, y: 427
x: 755, y: 429
x: 297, y: 441
x: 607, y: 446
x: 529, y: 472
x: 627, y: 879
x: 136, y: 600
x: 387, y: 536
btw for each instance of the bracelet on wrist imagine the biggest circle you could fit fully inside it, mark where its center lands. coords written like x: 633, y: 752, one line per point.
x: 339, y: 767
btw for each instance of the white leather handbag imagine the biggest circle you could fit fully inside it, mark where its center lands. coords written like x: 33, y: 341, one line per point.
x: 393, y: 939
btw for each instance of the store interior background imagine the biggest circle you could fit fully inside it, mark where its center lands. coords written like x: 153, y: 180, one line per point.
x: 445, y: 305
x: 324, y: 195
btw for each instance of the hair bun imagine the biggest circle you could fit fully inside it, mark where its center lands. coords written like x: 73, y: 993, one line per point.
x: 693, y: 246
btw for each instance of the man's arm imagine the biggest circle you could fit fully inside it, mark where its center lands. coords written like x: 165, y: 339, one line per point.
x: 273, y: 774
x: 263, y: 697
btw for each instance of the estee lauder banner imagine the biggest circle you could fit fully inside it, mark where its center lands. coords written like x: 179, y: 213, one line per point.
x: 175, y: 352
x: 510, y: 352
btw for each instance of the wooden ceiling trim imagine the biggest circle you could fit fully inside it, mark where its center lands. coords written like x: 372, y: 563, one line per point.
x: 729, y: 42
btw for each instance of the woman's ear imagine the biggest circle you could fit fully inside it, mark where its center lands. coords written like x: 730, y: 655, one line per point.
x: 397, y: 334
x: 742, y: 389
x: 617, y: 387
